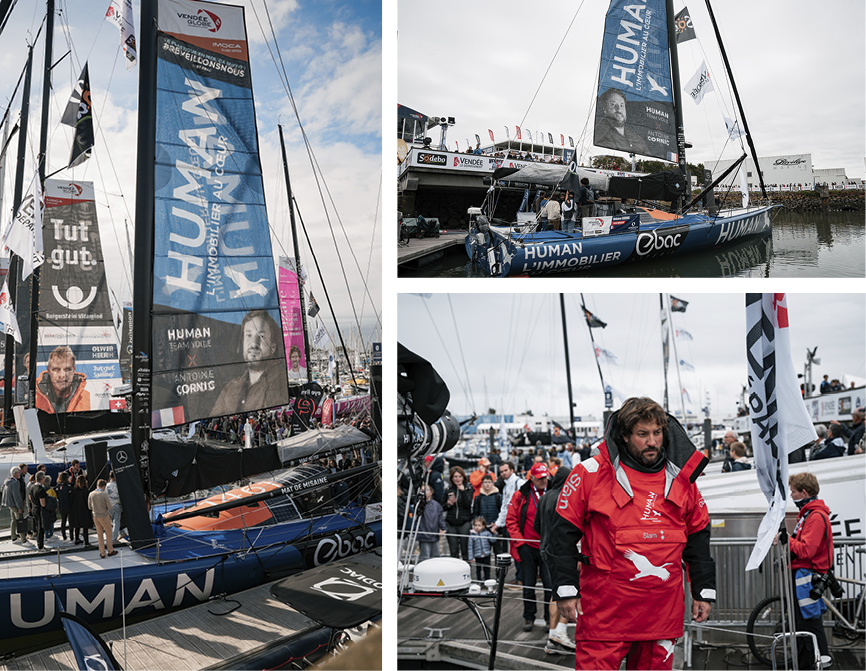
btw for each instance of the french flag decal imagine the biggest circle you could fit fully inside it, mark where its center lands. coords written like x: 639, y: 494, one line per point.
x: 167, y: 417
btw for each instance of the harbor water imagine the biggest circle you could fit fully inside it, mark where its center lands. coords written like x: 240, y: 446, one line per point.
x: 803, y: 244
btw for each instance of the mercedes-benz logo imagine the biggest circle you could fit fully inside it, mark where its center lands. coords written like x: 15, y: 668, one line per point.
x: 122, y: 457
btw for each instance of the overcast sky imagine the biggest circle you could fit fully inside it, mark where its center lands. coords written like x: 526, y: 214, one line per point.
x: 508, y: 348
x: 332, y: 54
x: 800, y: 77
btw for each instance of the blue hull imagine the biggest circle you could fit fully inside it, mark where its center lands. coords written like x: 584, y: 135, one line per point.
x: 196, y: 566
x: 501, y: 252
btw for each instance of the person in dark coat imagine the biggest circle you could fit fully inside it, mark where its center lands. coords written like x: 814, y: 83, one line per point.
x: 458, y: 513
x: 488, y: 502
x: 64, y: 501
x: 79, y: 513
x: 436, y: 481
x: 558, y: 641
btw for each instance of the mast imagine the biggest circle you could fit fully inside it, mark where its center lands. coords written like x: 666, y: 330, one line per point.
x: 297, y: 257
x: 665, y: 344
x: 13, y: 259
x: 592, y: 338
x: 675, y: 85
x: 142, y: 292
x: 42, y: 159
x: 567, y: 367
x: 676, y: 359
x: 737, y: 97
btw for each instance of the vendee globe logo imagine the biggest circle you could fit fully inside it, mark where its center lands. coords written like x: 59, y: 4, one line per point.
x: 202, y: 19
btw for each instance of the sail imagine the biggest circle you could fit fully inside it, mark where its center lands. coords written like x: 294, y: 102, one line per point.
x: 293, y: 323
x: 217, y: 345
x: 635, y: 107
x: 77, y: 361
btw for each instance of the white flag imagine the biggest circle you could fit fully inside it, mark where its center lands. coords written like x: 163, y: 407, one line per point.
x: 734, y: 130
x: 779, y: 420
x: 331, y: 365
x: 321, y: 341
x: 600, y: 352
x: 24, y: 234
x: 682, y: 333
x: 123, y: 19
x: 699, y: 84
x: 7, y: 314
x: 685, y: 365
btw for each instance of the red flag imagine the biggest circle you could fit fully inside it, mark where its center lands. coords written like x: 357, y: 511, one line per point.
x: 518, y: 133
x: 491, y: 135
x: 562, y: 139
x: 117, y: 404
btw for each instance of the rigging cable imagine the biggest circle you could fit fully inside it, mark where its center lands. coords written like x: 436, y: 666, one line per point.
x: 317, y: 172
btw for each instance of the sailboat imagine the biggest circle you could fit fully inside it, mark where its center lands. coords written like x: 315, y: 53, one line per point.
x: 639, y: 111
x: 206, y: 336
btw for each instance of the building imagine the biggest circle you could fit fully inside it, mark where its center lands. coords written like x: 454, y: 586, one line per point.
x: 781, y: 173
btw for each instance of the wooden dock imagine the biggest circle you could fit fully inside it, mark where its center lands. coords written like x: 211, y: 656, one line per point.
x: 425, y: 249
x: 193, y: 638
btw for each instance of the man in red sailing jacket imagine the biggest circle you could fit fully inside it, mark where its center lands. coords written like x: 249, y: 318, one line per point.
x: 811, y: 546
x: 520, y: 522
x: 640, y: 515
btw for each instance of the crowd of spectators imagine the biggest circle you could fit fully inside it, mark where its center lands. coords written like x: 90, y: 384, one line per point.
x: 267, y: 426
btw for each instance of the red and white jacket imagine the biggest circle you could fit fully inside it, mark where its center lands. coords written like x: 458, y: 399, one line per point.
x: 636, y: 529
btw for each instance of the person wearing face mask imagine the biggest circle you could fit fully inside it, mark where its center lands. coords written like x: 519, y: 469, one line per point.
x: 811, y: 545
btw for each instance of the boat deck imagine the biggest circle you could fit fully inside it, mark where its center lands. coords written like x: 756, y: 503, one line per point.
x: 194, y: 638
x: 418, y: 249
x: 24, y: 561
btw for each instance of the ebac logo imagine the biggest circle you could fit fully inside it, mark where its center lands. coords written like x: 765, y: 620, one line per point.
x: 432, y: 159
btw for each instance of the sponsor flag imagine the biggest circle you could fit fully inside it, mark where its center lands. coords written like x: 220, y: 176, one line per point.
x: 506, y: 133
x: 592, y: 321
x: 478, y: 139
x: 321, y: 341
x: 123, y: 19
x: 685, y: 31
x: 79, y: 115
x: 570, y: 141
x: 685, y: 365
x: 518, y: 133
x: 600, y: 353
x: 457, y: 144
x: 779, y: 420
x: 700, y: 84
x: 331, y: 365
x: 733, y: 128
x: 7, y: 314
x: 89, y: 649
x: 314, y: 306
x: 550, y: 138
x: 686, y: 394
x: 562, y: 139
x: 468, y: 143
x: 491, y: 135
x: 529, y: 134
x: 682, y: 333
x: 678, y: 304
x: 24, y: 234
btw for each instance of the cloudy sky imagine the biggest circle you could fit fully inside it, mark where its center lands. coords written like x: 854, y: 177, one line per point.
x: 506, y: 350
x: 331, y: 52
x: 801, y: 79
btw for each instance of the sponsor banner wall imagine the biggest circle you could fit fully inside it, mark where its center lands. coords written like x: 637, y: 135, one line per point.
x: 293, y: 323
x: 213, y: 265
x: 74, y: 306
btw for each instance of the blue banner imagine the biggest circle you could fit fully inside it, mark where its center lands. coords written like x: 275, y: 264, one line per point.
x: 217, y: 345
x: 635, y: 106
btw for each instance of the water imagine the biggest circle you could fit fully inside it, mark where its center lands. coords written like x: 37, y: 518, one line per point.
x: 803, y: 244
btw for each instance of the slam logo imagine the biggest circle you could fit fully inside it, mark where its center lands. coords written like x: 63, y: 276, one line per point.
x: 215, y: 20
